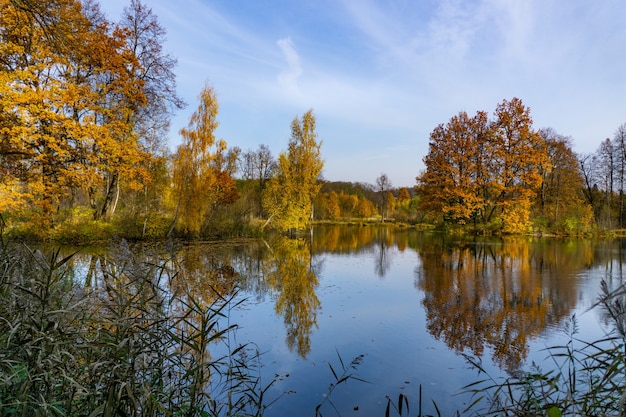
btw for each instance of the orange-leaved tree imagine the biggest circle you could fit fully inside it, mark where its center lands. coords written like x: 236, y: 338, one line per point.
x: 143, y: 124
x: 46, y: 116
x: 74, y: 92
x: 516, y: 152
x: 453, y: 184
x: 484, y: 171
x: 199, y: 177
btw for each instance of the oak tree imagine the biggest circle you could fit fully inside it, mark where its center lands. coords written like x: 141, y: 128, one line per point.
x: 484, y: 171
x: 453, y: 183
x: 516, y: 151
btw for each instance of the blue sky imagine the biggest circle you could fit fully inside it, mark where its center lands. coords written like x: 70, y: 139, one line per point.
x: 381, y: 75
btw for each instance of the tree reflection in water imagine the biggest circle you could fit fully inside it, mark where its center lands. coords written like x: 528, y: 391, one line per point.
x: 496, y: 294
x: 479, y: 295
x: 279, y: 267
x: 291, y: 276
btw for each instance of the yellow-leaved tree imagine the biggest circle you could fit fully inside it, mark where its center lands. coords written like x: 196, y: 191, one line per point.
x: 200, y: 179
x: 288, y: 197
x: 79, y: 98
x: 517, y: 152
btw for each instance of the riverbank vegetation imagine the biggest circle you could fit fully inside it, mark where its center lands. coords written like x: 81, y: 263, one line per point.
x: 86, y: 105
x: 125, y: 339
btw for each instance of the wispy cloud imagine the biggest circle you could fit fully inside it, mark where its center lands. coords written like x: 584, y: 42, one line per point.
x: 381, y: 74
x: 288, y: 78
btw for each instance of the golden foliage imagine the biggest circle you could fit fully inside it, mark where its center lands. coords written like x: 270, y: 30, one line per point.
x: 492, y: 171
x: 288, y: 198
x: 291, y: 275
x: 199, y: 180
x: 69, y: 97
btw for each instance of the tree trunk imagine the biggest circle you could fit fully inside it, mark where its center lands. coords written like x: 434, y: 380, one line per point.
x: 110, y: 198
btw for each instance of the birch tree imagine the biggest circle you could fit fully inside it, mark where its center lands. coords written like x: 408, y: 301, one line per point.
x: 288, y: 197
x: 199, y: 178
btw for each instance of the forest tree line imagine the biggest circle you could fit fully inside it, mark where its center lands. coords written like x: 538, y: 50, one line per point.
x: 86, y: 105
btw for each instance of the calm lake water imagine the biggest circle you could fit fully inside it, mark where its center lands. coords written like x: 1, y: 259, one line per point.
x: 413, y: 303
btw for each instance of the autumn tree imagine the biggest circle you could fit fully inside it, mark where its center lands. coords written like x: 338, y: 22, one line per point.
x: 334, y: 212
x: 199, y: 176
x: 72, y: 95
x: 365, y: 208
x: 154, y: 72
x: 484, y: 171
x: 288, y: 197
x: 516, y: 151
x: 56, y: 125
x: 560, y: 200
x: 403, y: 195
x: 348, y: 204
x: 454, y: 183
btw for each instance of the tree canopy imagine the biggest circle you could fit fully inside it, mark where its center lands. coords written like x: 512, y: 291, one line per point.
x: 486, y: 171
x: 288, y: 198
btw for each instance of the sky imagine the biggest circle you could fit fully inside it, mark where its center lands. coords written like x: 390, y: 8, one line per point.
x: 380, y: 75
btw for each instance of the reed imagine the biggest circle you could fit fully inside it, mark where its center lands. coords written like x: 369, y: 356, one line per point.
x: 125, y: 344
x: 341, y: 375
x: 585, y: 378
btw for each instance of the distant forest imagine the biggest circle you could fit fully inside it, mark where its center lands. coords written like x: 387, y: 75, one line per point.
x: 86, y: 108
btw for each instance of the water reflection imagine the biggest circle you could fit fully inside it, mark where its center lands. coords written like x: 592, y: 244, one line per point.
x: 478, y: 295
x: 292, y: 277
x: 280, y: 268
x: 497, y: 294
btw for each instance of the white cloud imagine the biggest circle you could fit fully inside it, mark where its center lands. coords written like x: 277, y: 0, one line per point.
x: 289, y: 76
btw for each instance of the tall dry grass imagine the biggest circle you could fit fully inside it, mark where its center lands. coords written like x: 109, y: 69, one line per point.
x: 124, y: 344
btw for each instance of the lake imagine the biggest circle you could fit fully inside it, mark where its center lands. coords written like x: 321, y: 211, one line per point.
x: 412, y: 303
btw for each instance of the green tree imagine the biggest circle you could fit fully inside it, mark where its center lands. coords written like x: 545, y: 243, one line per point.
x: 288, y: 197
